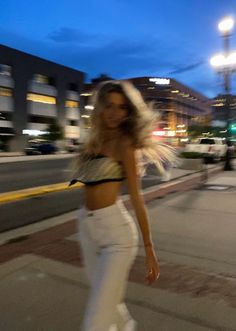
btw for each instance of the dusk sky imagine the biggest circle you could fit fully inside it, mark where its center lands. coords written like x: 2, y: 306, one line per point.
x: 123, y: 38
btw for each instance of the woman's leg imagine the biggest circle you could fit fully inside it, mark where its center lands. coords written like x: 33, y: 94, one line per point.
x: 111, y: 273
x: 90, y: 258
x: 88, y: 246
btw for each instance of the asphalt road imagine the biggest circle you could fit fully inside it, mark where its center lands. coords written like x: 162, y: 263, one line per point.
x: 19, y: 175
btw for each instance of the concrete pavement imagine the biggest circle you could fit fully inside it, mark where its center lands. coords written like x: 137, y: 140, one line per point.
x: 43, y: 286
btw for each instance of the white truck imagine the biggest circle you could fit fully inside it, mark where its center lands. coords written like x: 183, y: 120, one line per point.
x: 214, y: 149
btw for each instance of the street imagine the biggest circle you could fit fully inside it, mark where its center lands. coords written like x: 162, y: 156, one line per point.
x: 36, y: 172
x: 27, y: 174
x: 41, y: 170
x: 194, y: 236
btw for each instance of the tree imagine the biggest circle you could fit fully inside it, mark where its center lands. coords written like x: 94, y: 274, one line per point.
x: 101, y: 78
x: 215, y: 131
x: 55, y: 131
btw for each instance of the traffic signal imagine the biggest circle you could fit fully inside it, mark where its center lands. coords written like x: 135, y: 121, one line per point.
x: 233, y: 128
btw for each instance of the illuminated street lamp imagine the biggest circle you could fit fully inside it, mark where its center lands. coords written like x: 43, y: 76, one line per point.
x: 225, y: 64
x: 226, y: 25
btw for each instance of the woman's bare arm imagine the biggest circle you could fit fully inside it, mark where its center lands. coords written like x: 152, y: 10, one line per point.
x: 133, y: 181
x: 130, y: 167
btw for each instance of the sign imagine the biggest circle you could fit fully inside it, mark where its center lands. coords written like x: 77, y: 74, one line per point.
x: 160, y: 81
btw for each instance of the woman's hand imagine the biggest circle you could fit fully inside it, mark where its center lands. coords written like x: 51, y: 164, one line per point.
x: 153, y: 269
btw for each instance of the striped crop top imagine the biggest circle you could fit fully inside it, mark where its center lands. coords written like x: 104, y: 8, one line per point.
x: 99, y: 169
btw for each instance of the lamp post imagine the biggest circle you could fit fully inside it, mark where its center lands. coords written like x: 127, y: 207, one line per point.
x: 225, y: 64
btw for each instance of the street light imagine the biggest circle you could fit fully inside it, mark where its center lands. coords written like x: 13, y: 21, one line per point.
x: 226, y: 25
x: 225, y: 64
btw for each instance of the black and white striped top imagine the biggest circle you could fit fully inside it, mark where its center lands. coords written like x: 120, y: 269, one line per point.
x: 99, y: 169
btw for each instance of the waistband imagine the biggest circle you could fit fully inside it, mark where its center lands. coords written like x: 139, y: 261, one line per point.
x: 118, y: 205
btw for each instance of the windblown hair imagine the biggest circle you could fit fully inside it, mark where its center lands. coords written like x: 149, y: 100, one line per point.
x: 138, y: 127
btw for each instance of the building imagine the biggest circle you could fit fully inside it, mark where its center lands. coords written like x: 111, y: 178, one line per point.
x: 178, y: 106
x: 219, y: 113
x: 33, y: 93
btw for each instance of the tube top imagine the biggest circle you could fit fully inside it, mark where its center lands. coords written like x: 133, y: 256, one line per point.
x: 98, y: 169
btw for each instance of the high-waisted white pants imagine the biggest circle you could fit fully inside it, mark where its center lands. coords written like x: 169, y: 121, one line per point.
x: 109, y: 242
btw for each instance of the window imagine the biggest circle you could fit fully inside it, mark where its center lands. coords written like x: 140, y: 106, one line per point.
x: 5, y: 70
x: 207, y: 141
x: 41, y: 98
x: 38, y: 78
x: 73, y: 87
x: 5, y: 116
x: 72, y: 104
x: 5, y: 92
x: 40, y: 119
x: 72, y: 122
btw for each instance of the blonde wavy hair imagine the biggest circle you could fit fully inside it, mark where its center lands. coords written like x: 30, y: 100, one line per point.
x: 138, y: 127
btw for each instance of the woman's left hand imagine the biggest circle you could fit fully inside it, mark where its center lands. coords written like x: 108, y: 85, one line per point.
x: 153, y: 268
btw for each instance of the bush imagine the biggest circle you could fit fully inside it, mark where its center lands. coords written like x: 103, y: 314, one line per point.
x: 192, y: 155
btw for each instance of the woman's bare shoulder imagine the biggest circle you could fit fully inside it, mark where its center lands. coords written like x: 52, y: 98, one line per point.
x: 125, y: 146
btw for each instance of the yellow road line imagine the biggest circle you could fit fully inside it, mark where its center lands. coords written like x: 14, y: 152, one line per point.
x: 36, y: 191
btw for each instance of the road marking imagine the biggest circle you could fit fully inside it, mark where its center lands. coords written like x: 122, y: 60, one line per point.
x: 36, y: 191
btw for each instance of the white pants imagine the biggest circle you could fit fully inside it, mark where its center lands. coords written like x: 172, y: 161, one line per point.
x: 109, y: 242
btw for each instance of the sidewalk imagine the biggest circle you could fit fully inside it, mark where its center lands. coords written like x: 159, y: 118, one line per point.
x: 20, y: 157
x: 43, y: 286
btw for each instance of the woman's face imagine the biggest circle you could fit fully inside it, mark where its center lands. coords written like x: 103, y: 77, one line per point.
x: 115, y: 110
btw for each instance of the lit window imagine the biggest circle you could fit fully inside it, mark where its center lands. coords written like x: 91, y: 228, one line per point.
x: 5, y: 92
x: 218, y: 104
x: 72, y: 104
x: 40, y: 79
x: 41, y: 98
x: 5, y: 70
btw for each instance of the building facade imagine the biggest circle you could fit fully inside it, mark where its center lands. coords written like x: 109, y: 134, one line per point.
x: 178, y: 106
x: 33, y: 93
x: 219, y: 112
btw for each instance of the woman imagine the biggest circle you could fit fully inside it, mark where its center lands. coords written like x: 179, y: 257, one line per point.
x: 118, y: 146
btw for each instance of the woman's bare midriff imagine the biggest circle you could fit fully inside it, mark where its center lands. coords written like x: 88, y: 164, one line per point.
x: 101, y: 195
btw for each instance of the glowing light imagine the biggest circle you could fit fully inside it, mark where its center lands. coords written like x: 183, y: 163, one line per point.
x: 90, y: 107
x: 220, y: 60
x: 85, y: 116
x: 5, y: 92
x: 181, y: 126
x: 175, y: 91
x: 34, y: 132
x: 171, y: 133
x: 160, y: 81
x: 226, y: 25
x: 41, y: 98
x: 159, y: 133
x: 180, y: 131
x: 72, y: 104
x: 85, y: 94
x: 218, y: 105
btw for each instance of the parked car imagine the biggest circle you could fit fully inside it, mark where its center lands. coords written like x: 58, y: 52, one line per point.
x: 40, y: 147
x: 214, y: 149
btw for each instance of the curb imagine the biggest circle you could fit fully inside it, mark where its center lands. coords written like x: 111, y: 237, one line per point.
x: 22, y: 194
x: 35, y: 191
x: 149, y: 194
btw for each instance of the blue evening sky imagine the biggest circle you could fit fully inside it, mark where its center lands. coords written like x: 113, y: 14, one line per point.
x: 123, y: 38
